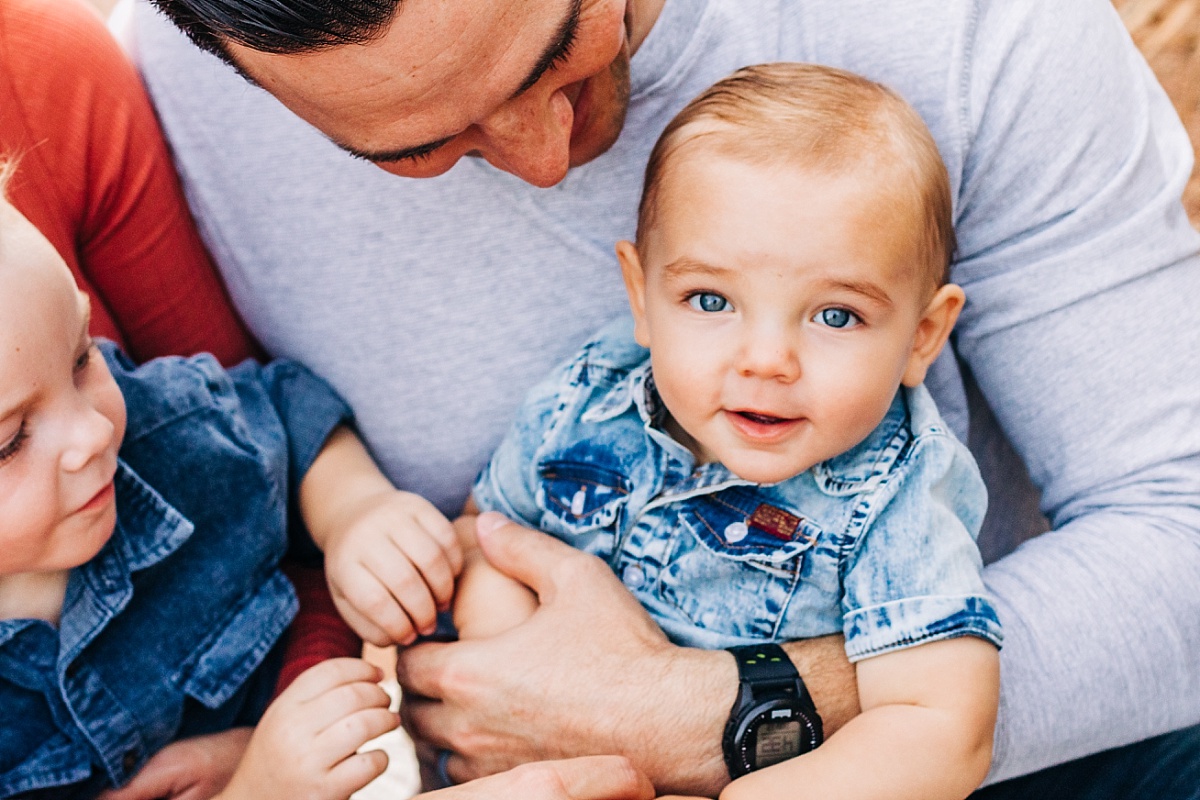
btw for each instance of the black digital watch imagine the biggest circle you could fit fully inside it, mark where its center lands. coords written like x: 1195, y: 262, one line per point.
x: 774, y: 717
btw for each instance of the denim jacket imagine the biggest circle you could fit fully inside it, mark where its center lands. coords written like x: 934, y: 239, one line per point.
x: 877, y: 543
x: 167, y: 631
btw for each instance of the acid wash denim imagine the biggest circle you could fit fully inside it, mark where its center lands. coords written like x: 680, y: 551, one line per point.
x: 877, y: 543
x: 172, y: 629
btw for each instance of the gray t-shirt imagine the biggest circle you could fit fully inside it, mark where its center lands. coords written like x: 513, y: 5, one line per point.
x: 433, y: 305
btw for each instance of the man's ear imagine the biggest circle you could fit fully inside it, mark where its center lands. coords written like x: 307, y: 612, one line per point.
x: 635, y: 287
x: 933, y: 330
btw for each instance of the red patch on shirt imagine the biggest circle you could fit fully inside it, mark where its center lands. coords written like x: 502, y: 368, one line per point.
x: 775, y: 521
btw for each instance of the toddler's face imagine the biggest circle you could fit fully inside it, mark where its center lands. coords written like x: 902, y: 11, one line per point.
x: 62, y: 416
x: 782, y: 307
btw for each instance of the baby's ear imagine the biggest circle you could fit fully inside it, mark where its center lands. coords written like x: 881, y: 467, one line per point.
x: 635, y: 287
x: 933, y: 330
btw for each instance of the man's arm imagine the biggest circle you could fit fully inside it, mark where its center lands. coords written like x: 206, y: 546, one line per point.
x: 621, y: 688
x: 1078, y: 264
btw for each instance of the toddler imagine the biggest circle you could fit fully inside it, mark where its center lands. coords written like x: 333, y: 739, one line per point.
x: 754, y: 453
x: 143, y: 514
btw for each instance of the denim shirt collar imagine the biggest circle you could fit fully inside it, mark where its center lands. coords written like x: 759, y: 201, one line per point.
x: 148, y: 529
x: 853, y: 471
x: 637, y: 391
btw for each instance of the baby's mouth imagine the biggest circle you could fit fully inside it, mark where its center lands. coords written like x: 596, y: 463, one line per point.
x: 762, y: 419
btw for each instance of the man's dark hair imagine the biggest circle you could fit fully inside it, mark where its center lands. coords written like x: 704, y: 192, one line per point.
x: 278, y: 26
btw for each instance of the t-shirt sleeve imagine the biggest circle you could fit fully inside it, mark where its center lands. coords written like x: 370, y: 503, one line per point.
x: 913, y: 575
x: 1081, y: 272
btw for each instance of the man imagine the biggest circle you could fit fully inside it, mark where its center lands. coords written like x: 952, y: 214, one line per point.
x: 432, y: 305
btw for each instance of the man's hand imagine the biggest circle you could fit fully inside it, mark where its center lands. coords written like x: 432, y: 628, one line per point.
x: 190, y: 769
x: 589, y: 673
x: 594, y: 778
x: 305, y: 747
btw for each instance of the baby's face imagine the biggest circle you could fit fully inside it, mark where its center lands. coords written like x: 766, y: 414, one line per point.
x: 781, y: 307
x: 62, y: 416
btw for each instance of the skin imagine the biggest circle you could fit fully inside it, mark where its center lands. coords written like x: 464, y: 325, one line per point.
x: 768, y: 348
x: 450, y: 73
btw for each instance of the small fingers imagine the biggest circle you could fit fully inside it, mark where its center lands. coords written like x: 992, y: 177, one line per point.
x: 316, y: 681
x: 347, y: 734
x: 375, y: 596
x: 433, y: 564
x: 356, y: 772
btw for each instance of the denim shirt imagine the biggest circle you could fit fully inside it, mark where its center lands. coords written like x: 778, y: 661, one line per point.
x: 877, y: 543
x: 167, y: 631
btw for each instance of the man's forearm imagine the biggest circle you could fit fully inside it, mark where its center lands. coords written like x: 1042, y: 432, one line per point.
x: 1101, y: 640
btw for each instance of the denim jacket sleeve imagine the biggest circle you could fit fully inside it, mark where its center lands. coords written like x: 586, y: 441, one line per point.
x: 913, y: 571
x: 309, y: 410
x: 509, y: 482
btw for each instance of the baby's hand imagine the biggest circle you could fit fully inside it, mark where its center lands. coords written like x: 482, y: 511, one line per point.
x: 305, y: 747
x: 391, y: 565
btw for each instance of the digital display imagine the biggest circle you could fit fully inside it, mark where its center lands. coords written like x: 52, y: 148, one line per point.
x: 775, y: 742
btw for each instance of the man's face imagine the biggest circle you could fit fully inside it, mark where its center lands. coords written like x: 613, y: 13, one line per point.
x: 533, y: 86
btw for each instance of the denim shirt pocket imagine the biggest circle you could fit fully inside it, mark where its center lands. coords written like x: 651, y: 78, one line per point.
x: 226, y: 660
x: 579, y: 497
x: 736, y: 562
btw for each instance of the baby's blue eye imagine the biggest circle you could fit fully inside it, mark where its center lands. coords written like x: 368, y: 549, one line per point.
x: 837, y: 318
x: 708, y: 302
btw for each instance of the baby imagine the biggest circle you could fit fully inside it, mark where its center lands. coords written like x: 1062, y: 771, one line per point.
x: 143, y: 514
x: 755, y: 454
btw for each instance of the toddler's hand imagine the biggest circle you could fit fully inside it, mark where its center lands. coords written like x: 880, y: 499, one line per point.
x: 391, y: 565
x: 305, y: 747
x: 190, y: 769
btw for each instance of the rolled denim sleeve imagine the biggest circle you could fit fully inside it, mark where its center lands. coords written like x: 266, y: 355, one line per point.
x: 913, y: 575
x: 509, y: 483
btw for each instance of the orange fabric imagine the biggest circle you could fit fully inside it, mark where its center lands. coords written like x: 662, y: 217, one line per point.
x: 95, y: 177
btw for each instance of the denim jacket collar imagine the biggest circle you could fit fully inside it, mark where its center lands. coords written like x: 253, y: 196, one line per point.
x: 148, y: 530
x: 856, y: 470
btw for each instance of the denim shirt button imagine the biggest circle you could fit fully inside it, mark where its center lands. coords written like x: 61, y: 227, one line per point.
x: 634, y: 576
x: 735, y: 532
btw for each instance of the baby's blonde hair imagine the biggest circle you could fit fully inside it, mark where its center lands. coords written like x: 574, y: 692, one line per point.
x: 825, y: 119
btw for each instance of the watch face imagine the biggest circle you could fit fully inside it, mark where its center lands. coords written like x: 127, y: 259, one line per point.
x: 775, y: 742
x: 772, y: 732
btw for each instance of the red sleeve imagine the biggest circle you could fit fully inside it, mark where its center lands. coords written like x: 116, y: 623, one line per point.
x: 95, y: 177
x: 318, y: 632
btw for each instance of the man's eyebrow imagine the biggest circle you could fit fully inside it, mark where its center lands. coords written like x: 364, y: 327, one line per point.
x: 559, y: 46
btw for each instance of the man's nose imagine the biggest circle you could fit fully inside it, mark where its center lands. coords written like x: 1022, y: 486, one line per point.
x: 530, y: 137
x: 89, y: 436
